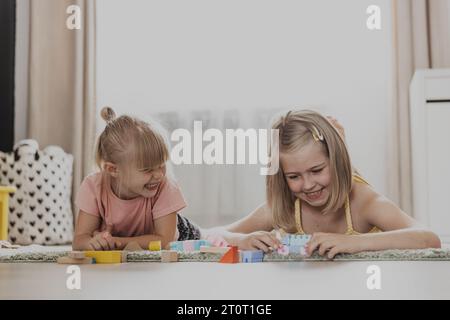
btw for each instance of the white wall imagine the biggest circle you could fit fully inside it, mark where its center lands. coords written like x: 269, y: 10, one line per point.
x: 179, y: 55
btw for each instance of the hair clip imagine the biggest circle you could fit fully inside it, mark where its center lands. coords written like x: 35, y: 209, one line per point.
x: 316, y: 134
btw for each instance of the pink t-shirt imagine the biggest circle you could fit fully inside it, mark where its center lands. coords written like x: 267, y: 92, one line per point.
x: 128, y: 218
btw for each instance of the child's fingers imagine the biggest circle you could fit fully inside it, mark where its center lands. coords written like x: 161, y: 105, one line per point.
x: 333, y: 252
x: 103, y: 244
x: 259, y: 245
x: 270, y: 241
x: 324, y: 247
x: 311, y: 246
x: 110, y: 241
x: 94, y: 245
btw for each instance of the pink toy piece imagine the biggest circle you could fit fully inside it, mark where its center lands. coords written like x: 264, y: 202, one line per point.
x: 303, y: 251
x: 188, y: 246
x: 283, y: 249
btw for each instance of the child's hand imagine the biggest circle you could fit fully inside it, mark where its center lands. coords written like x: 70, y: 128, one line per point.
x: 332, y: 244
x: 259, y: 240
x: 104, y: 241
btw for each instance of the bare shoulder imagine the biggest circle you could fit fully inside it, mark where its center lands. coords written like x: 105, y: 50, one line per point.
x: 362, y: 197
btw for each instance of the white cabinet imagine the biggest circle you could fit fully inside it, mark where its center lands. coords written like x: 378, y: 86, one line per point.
x: 430, y: 143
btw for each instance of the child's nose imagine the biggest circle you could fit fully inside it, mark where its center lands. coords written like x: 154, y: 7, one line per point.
x: 308, y: 183
x: 158, y: 174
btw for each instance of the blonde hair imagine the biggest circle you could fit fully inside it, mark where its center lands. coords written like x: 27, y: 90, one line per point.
x: 297, y: 129
x: 127, y: 141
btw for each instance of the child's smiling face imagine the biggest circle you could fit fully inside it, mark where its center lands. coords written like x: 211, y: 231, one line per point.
x: 146, y: 182
x: 307, y: 173
x: 139, y: 182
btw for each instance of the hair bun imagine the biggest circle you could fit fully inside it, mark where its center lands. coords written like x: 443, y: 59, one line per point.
x: 108, y: 114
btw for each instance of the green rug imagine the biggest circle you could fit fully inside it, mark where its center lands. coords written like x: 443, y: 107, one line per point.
x: 46, y: 254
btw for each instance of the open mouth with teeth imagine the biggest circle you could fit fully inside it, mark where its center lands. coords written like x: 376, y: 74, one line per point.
x: 152, y: 186
x: 314, y: 195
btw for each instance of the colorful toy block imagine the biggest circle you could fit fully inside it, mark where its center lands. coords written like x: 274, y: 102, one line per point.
x: 77, y: 255
x: 248, y: 256
x: 294, y: 243
x: 295, y: 249
x: 105, y: 256
x: 204, y: 243
x: 189, y: 246
x: 176, y: 246
x: 285, y: 240
x: 124, y: 256
x: 169, y: 256
x: 154, y: 245
x: 133, y: 246
x: 201, y: 243
x: 231, y: 256
x: 283, y: 250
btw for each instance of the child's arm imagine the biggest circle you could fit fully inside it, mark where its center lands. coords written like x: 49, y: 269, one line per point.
x: 400, y: 231
x: 85, y: 239
x: 165, y: 228
x: 250, y: 232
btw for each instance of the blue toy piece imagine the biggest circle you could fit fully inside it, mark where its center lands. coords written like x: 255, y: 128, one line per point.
x: 194, y: 244
x: 249, y: 256
x: 177, y: 246
x: 299, y: 240
x: 295, y: 249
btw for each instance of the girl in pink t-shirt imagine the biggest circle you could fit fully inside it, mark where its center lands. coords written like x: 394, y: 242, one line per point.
x: 131, y: 198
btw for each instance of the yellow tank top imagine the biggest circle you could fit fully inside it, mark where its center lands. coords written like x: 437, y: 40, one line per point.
x: 348, y: 216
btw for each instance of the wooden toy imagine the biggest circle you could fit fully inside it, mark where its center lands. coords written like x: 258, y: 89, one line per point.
x: 169, y: 256
x: 176, y: 246
x: 294, y: 243
x: 5, y: 244
x: 189, y: 246
x: 283, y: 249
x: 124, y: 256
x: 105, y: 256
x: 133, y: 246
x: 77, y: 255
x: 231, y: 256
x: 69, y: 260
x: 295, y: 249
x: 154, y: 245
x: 248, y: 256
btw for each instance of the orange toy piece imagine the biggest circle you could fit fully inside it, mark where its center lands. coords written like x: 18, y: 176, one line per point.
x: 231, y: 256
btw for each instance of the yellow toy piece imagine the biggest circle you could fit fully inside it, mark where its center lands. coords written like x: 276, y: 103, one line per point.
x: 154, y: 246
x: 4, y: 210
x: 105, y: 256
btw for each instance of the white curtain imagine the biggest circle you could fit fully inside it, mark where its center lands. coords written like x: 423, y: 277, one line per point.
x: 421, y: 39
x: 62, y: 83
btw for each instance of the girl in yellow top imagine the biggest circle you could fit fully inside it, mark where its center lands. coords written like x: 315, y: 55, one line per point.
x: 316, y: 191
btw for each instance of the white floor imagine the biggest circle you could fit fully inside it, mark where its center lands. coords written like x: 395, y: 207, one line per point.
x: 189, y: 280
